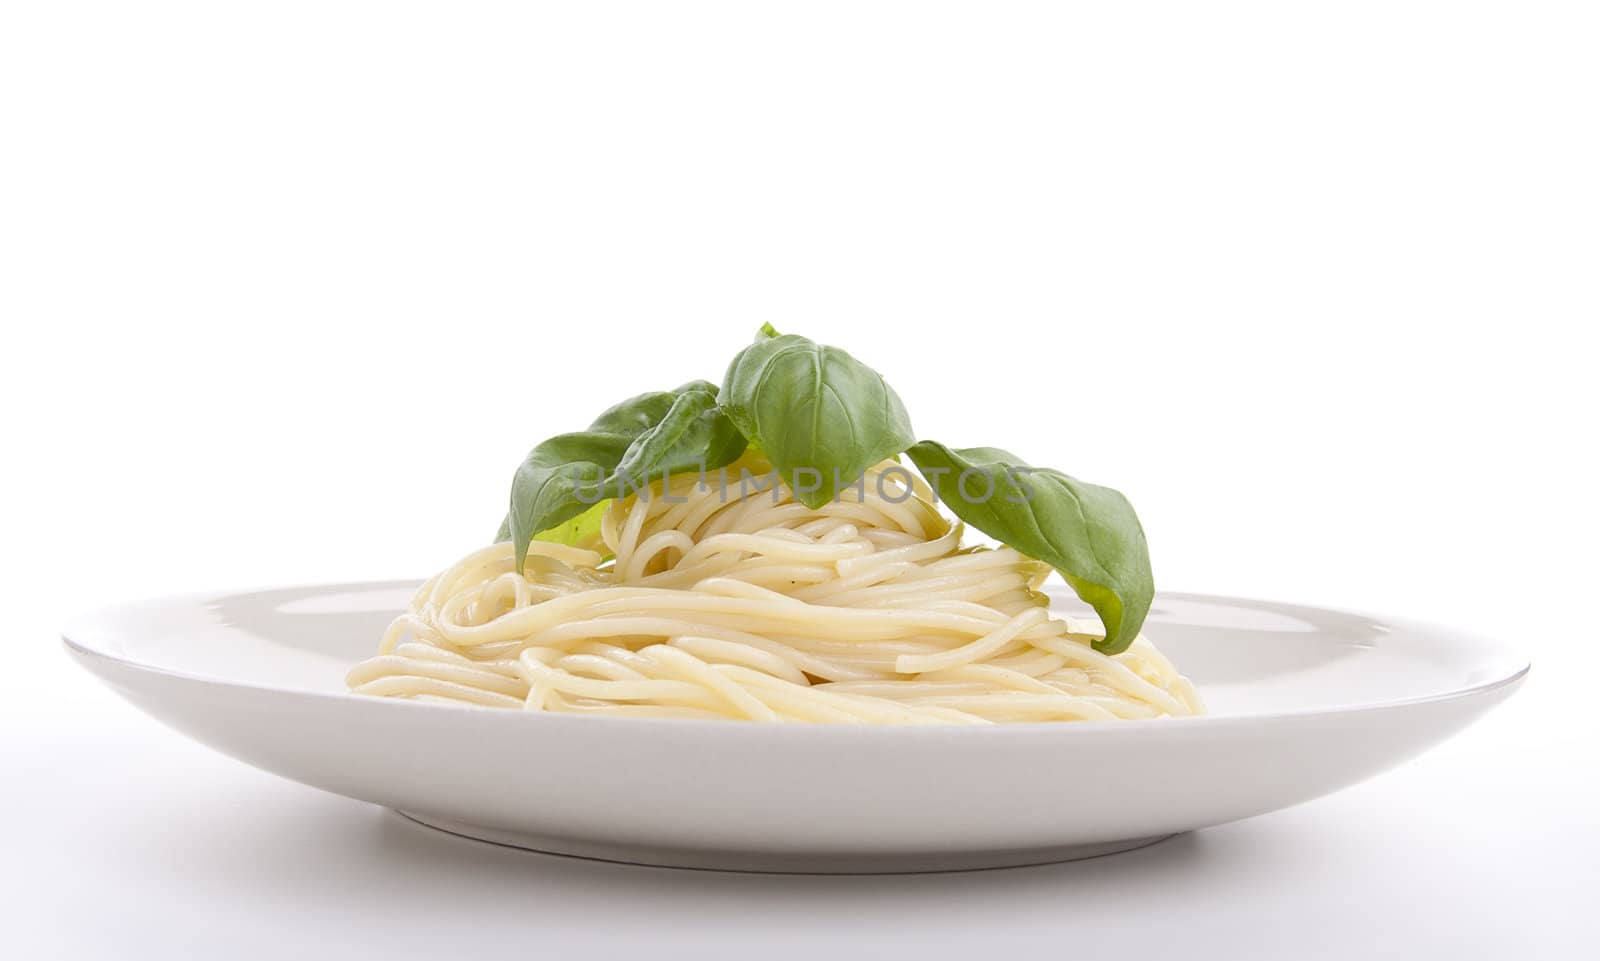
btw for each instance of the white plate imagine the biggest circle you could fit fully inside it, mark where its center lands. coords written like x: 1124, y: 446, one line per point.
x: 1303, y: 701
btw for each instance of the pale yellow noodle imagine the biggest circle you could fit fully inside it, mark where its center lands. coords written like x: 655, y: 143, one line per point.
x: 717, y: 603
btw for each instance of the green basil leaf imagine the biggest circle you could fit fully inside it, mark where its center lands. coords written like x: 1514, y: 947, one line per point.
x: 563, y: 480
x: 766, y: 332
x: 638, y: 414
x: 813, y: 408
x: 580, y: 531
x: 545, y: 491
x: 1088, y: 533
x: 693, y: 432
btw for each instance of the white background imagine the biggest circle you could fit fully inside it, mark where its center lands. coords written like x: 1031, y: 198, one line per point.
x: 288, y: 289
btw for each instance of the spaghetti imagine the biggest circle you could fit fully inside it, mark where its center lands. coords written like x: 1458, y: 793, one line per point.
x: 721, y: 601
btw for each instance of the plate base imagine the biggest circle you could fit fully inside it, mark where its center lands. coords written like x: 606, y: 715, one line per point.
x: 781, y: 862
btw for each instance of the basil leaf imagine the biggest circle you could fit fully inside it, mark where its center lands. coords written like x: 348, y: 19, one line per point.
x: 1088, y: 533
x: 815, y: 411
x: 693, y: 432
x: 545, y: 490
x: 580, y: 531
x: 642, y: 439
x: 766, y: 332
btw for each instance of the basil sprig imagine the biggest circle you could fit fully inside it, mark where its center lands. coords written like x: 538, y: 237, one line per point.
x: 642, y: 439
x: 1088, y: 533
x: 822, y: 418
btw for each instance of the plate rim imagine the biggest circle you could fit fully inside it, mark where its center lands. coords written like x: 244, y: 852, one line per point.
x: 85, y: 652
